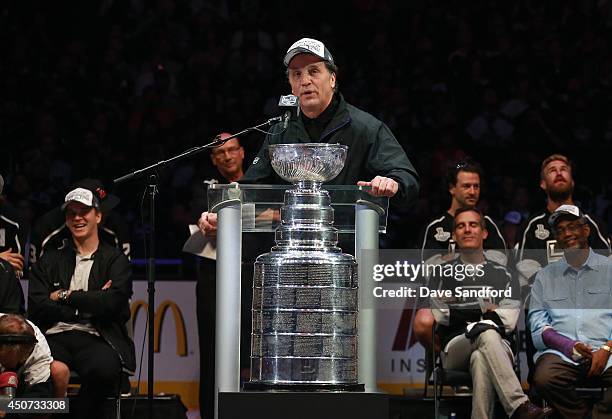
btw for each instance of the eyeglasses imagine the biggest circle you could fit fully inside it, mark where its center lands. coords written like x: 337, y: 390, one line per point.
x: 569, y: 228
x: 231, y: 150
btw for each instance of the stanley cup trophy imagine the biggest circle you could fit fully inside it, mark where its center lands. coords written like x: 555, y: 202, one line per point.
x: 305, y: 290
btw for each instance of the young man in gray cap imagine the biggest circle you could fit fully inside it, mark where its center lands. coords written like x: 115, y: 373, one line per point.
x: 50, y: 231
x: 570, y: 318
x: 79, y: 296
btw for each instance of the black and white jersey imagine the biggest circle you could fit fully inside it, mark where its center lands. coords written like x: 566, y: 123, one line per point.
x: 11, y: 294
x: 50, y: 232
x: 453, y: 317
x: 538, y: 246
x: 11, y: 231
x: 438, y: 240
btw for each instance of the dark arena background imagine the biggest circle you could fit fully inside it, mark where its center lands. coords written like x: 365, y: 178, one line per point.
x: 97, y: 89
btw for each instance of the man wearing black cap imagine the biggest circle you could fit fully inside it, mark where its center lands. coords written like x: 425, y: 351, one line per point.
x: 464, y: 182
x: 50, y: 230
x: 79, y: 295
x: 374, y: 156
x: 570, y: 318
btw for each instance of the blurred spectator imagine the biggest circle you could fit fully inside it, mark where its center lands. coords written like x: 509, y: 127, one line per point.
x: 512, y: 221
x: 12, y: 238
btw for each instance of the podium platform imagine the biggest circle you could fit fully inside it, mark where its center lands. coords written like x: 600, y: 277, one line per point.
x: 256, y: 209
x: 303, y: 405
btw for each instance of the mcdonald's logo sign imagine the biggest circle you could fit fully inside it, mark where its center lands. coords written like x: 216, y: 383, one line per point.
x: 160, y: 313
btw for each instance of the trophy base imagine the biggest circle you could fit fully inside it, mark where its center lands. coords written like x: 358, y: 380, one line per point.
x: 303, y: 405
x: 300, y: 387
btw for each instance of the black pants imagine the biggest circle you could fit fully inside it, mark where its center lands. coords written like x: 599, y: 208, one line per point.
x: 40, y: 390
x: 556, y: 380
x: 97, y: 364
x: 205, y: 312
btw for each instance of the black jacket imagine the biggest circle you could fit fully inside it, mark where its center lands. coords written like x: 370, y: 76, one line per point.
x: 467, y: 310
x: 11, y: 293
x: 12, y: 234
x: 372, y: 150
x: 107, y: 310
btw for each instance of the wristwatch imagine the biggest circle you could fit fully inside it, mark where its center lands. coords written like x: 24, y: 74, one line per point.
x: 605, y: 347
x: 62, y: 295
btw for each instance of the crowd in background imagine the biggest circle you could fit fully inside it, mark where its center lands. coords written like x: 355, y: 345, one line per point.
x: 98, y: 89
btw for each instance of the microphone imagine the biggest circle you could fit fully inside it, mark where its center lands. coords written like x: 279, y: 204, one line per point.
x: 8, y: 384
x: 286, y: 118
x: 288, y: 103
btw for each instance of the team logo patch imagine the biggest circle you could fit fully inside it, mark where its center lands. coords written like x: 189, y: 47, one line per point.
x: 553, y: 251
x: 441, y: 235
x: 256, y: 160
x: 542, y: 233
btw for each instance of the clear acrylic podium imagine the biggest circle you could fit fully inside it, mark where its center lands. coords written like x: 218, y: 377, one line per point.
x: 255, y: 208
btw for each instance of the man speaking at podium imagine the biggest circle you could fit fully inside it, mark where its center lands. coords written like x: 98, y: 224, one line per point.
x: 374, y: 158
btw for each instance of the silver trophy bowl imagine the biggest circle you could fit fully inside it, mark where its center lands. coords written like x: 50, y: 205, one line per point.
x: 305, y: 290
x: 314, y: 162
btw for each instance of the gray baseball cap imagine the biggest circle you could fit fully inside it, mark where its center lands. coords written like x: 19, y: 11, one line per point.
x: 308, y: 46
x: 564, y: 210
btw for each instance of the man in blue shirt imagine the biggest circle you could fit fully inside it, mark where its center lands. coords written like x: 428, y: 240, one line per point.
x: 570, y: 317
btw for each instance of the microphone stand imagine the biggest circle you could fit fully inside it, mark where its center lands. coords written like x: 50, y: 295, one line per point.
x: 151, y: 192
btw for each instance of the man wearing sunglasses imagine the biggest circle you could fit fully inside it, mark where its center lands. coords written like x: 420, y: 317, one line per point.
x: 570, y: 318
x: 476, y: 333
x: 464, y: 185
x: 464, y: 181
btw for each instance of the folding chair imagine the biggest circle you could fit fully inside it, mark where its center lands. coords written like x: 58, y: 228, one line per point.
x: 592, y: 389
x: 458, y: 378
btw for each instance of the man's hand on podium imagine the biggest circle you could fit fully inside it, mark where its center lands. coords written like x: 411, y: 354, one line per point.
x: 381, y: 186
x: 208, y: 224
